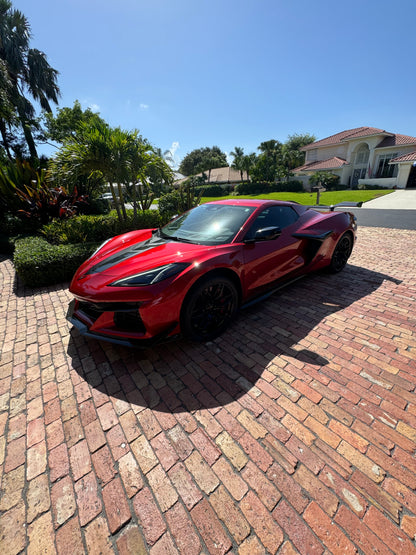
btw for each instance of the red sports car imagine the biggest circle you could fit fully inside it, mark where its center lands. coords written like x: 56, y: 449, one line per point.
x: 192, y: 275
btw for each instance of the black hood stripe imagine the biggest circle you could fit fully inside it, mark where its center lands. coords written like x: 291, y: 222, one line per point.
x: 125, y: 254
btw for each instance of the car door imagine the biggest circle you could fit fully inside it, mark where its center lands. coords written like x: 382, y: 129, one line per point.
x: 268, y: 261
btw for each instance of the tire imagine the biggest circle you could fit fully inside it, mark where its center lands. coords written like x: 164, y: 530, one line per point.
x: 209, y: 308
x: 341, y: 254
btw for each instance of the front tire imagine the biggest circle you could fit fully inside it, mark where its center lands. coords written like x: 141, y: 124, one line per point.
x: 341, y: 254
x: 209, y: 308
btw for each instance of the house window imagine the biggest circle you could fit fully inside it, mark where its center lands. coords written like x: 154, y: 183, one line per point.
x: 385, y: 169
x: 362, y: 156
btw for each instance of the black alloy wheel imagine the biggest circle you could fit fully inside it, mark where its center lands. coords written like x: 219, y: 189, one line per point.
x: 341, y: 254
x: 209, y: 308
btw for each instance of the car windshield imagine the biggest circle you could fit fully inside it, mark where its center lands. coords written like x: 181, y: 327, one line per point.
x: 208, y: 224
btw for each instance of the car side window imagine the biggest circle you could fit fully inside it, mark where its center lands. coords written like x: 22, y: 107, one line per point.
x: 273, y: 216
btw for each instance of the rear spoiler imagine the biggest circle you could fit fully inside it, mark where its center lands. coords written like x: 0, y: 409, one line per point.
x: 332, y: 207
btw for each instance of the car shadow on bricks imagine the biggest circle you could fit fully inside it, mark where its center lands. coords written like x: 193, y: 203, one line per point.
x: 181, y: 376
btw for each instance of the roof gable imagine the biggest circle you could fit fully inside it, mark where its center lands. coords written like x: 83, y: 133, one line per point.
x: 331, y: 164
x: 348, y: 135
x: 397, y: 140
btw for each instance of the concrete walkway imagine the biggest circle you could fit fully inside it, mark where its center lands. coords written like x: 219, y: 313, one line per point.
x: 294, y: 432
x: 403, y: 199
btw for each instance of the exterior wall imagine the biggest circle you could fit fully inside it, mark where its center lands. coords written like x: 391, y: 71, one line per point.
x: 400, y: 181
x: 323, y: 153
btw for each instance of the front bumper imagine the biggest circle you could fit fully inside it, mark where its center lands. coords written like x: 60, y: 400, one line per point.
x: 84, y: 320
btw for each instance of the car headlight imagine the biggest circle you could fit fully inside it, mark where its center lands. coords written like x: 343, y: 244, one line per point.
x: 151, y: 276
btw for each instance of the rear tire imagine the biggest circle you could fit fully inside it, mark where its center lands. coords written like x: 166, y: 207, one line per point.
x: 209, y: 308
x: 341, y: 254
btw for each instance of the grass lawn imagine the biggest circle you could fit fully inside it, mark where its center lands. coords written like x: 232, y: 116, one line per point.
x: 327, y: 198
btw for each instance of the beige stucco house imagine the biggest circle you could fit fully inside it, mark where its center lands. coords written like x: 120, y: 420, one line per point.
x: 364, y: 155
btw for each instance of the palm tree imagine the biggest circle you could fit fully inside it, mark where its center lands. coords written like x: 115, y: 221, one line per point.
x: 238, y: 155
x: 122, y: 157
x: 248, y: 162
x: 24, y: 72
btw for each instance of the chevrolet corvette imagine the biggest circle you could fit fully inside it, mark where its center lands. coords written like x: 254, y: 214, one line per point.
x: 191, y: 276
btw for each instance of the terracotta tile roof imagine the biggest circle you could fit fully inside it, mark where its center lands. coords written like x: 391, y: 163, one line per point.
x: 345, y: 136
x: 221, y: 175
x: 410, y: 157
x: 330, y: 164
x: 397, y: 140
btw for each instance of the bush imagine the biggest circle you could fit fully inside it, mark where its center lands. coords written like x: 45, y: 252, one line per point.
x: 327, y: 179
x: 292, y: 186
x: 365, y: 186
x: 169, y: 205
x: 83, y: 229
x: 214, y: 190
x: 95, y: 206
x: 256, y: 188
x: 39, y: 263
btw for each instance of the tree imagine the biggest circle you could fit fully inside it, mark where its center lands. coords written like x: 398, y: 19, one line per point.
x: 123, y: 158
x: 268, y: 162
x: 238, y: 155
x: 203, y: 159
x: 293, y: 156
x: 24, y: 72
x: 248, y: 163
x: 67, y: 121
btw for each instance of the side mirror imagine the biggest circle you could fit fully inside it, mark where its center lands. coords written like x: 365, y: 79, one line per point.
x: 265, y: 234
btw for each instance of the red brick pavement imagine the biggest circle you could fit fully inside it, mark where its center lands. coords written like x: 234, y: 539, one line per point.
x: 295, y: 432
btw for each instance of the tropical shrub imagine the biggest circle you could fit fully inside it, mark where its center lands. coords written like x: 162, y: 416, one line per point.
x: 169, y: 205
x: 39, y: 263
x: 327, y: 179
x: 42, y: 204
x: 184, y: 198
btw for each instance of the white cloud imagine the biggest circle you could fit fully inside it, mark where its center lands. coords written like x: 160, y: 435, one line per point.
x: 170, y: 154
x: 94, y: 107
x: 144, y: 106
x: 174, y: 147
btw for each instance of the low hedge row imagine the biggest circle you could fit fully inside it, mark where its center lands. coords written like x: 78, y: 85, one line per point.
x: 84, y: 229
x: 39, y: 263
x: 215, y: 190
x: 263, y: 188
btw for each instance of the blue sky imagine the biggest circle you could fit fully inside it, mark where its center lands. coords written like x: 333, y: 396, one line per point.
x: 196, y: 73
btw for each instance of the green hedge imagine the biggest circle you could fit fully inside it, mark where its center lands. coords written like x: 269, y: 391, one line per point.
x: 214, y: 190
x: 84, y: 229
x: 39, y: 263
x: 264, y: 188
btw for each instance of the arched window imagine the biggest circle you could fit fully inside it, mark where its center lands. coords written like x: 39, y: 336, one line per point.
x: 362, y: 155
x: 360, y: 163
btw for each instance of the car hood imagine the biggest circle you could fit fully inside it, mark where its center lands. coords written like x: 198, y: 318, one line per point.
x: 127, y: 258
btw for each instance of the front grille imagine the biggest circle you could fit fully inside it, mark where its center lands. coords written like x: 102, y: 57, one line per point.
x: 126, y: 315
x: 129, y: 321
x: 90, y: 310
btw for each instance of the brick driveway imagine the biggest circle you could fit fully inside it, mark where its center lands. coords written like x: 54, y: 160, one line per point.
x: 293, y: 432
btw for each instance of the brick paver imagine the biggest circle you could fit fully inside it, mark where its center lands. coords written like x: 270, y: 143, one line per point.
x: 294, y: 432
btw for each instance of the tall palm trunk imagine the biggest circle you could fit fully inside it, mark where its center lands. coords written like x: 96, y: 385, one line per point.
x: 121, y: 197
x: 115, y: 199
x: 6, y: 145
